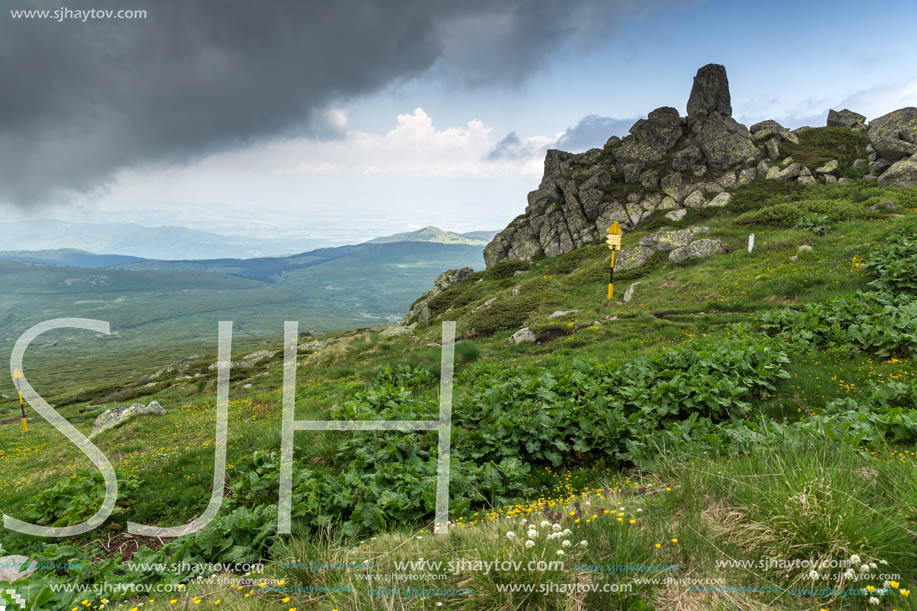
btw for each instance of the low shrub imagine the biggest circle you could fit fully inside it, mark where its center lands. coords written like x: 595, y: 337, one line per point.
x: 505, y: 269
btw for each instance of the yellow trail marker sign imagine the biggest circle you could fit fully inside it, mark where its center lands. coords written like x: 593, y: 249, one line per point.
x: 16, y: 376
x: 613, y: 240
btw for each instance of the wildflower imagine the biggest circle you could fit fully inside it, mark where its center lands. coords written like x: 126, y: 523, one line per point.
x: 813, y: 574
x: 674, y: 540
x: 566, y: 543
x: 584, y: 543
x: 560, y: 552
x: 658, y: 545
x: 285, y: 599
x: 530, y: 543
x: 633, y: 521
x: 905, y: 593
x: 532, y: 534
x: 873, y: 600
x: 849, y: 574
x: 864, y: 568
x: 872, y: 565
x: 544, y: 523
x: 510, y: 535
x: 855, y: 559
x: 555, y: 527
x: 893, y: 584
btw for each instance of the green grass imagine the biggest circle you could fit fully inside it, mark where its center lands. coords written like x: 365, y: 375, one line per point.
x: 784, y: 496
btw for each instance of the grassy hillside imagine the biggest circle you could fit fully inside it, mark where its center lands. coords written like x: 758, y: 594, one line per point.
x: 745, y: 408
x: 159, y: 308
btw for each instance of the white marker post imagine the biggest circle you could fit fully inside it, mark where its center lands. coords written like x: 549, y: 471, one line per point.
x: 751, y: 242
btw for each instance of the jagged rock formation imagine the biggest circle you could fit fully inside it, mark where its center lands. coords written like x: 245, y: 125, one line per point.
x: 673, y: 164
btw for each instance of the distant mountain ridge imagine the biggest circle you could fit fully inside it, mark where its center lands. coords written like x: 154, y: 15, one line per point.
x: 437, y: 236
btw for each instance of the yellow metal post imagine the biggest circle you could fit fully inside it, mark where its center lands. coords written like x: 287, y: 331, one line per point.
x: 613, y: 239
x: 25, y: 424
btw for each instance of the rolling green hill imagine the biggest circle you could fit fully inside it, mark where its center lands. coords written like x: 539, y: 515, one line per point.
x: 742, y: 407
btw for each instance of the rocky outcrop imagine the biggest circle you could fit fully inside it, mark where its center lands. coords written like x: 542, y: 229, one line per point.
x: 698, y: 249
x: 670, y: 164
x: 846, y: 118
x: 894, y: 135
x: 902, y: 173
x: 666, y: 164
x: 111, y: 418
x: 420, y: 311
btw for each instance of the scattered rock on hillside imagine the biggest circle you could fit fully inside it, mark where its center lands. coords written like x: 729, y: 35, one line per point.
x: 523, y: 335
x: 661, y: 241
x: 846, y: 118
x: 901, y: 174
x: 676, y: 215
x: 699, y: 249
x: 560, y: 313
x: 829, y: 167
x: 629, y: 293
x: 886, y: 205
x: 113, y: 417
x: 249, y: 360
x: 313, y: 345
x: 395, y: 331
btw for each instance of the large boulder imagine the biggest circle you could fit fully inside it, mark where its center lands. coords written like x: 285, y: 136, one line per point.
x: 894, y: 135
x: 652, y: 137
x: 662, y: 241
x: 902, y: 173
x: 724, y: 141
x: 111, y: 418
x: 699, y: 249
x: 845, y: 118
x: 451, y: 277
x: 710, y: 93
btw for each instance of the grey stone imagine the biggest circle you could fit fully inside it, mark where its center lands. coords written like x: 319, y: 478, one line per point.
x: 676, y: 215
x: 746, y: 177
x: 560, y: 314
x: 523, y: 335
x: 859, y: 163
x: 894, y: 135
x: 803, y: 248
x: 790, y: 137
x: 773, y: 149
x: 768, y: 125
x: 886, y: 205
x: 699, y: 249
x: 661, y: 241
x: 629, y: 293
x: 719, y: 201
x: 902, y: 173
x: 612, y: 142
x: 710, y: 92
x: 631, y: 258
x: 395, y: 331
x: 113, y: 417
x: 789, y: 173
x: 828, y: 168
x: 878, y: 166
x: 844, y: 118
x: 696, y: 199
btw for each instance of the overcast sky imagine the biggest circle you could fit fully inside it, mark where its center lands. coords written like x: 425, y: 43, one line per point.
x: 354, y: 118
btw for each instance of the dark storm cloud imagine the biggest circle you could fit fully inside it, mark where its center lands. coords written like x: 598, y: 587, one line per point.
x: 81, y: 100
x: 592, y: 131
